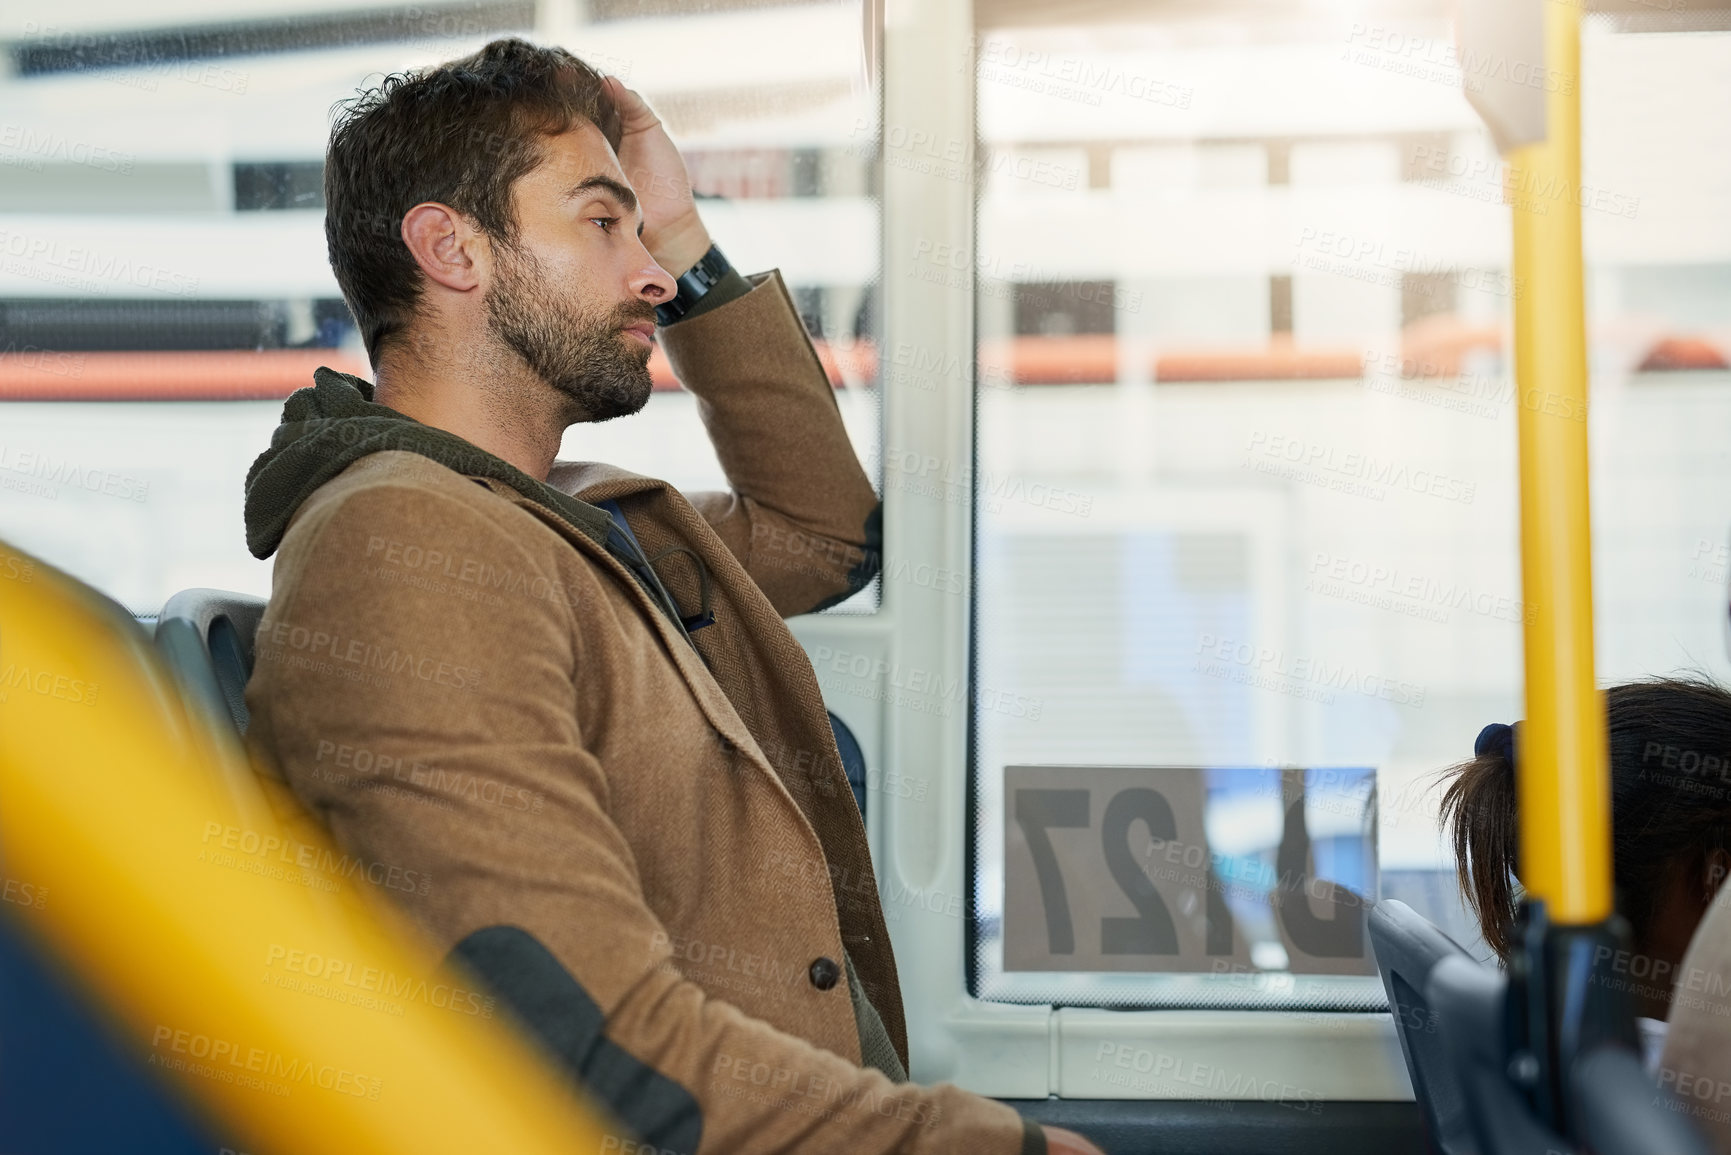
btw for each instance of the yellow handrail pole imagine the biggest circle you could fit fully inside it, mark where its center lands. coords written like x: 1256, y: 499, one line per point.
x: 1563, y: 783
x: 253, y: 965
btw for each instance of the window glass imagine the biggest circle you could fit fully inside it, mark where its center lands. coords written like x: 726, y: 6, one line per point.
x: 161, y: 240
x: 1246, y: 482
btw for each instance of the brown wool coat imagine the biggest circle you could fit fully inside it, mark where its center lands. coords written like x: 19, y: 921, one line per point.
x: 459, y: 683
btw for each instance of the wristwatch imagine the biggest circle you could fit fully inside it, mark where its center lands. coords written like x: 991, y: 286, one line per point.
x: 693, y: 284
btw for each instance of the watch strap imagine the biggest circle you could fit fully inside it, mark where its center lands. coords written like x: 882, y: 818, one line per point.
x: 693, y: 284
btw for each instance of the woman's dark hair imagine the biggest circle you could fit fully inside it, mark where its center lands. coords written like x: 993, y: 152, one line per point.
x: 461, y: 134
x: 1670, y: 757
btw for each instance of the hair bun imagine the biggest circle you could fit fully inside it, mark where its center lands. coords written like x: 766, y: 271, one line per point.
x: 1498, y: 738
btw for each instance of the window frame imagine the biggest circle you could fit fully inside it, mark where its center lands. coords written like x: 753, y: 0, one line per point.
x: 921, y: 845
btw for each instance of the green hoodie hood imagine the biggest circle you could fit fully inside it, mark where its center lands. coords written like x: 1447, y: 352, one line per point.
x: 327, y: 428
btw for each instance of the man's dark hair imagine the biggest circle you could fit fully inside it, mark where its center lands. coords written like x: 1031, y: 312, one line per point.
x: 460, y: 133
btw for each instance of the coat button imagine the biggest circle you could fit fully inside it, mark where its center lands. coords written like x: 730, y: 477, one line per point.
x: 824, y: 973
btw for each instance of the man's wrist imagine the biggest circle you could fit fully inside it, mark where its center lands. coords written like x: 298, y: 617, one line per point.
x: 713, y: 276
x: 678, y: 248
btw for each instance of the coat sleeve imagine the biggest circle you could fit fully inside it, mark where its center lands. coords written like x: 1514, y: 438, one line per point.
x: 802, y: 516
x: 477, y: 780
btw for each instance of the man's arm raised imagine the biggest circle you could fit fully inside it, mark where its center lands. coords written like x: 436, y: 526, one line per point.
x: 802, y: 516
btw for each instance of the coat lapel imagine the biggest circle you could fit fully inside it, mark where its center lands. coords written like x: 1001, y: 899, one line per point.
x: 715, y: 704
x: 769, y: 690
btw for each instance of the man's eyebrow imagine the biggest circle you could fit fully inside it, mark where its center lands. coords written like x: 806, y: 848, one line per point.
x: 619, y: 192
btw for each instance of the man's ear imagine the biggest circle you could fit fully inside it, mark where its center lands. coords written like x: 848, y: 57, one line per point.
x: 444, y: 244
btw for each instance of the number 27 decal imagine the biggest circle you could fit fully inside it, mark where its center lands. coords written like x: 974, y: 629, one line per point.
x: 1082, y: 892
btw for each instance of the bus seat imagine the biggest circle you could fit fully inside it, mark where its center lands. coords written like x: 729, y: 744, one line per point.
x: 1620, y: 1109
x: 852, y: 760
x: 1407, y: 948
x: 1696, y: 1061
x: 207, y: 638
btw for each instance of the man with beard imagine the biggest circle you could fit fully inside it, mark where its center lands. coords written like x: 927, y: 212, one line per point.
x: 560, y: 695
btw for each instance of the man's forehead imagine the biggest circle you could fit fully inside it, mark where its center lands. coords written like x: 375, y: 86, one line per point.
x: 574, y: 156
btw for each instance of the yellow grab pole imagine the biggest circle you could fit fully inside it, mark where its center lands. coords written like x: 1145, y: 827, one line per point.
x: 253, y: 965
x: 1564, y: 788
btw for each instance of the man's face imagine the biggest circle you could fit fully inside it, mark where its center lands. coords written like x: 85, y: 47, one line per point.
x: 572, y: 295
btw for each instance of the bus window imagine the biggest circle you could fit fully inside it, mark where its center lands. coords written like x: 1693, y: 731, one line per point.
x: 1244, y: 485
x: 162, y: 203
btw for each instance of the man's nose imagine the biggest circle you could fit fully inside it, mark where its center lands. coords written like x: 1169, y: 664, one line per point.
x: 652, y: 283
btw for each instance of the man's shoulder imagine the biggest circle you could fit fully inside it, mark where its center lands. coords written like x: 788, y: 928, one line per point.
x: 585, y: 479
x: 394, y: 493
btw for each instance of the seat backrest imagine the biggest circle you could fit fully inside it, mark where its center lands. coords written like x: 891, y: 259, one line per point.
x: 207, y: 637
x: 1407, y: 949
x: 1468, y: 1001
x: 1617, y: 1108
x: 852, y: 760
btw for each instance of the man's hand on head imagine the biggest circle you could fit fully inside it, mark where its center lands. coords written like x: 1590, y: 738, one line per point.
x: 672, y: 231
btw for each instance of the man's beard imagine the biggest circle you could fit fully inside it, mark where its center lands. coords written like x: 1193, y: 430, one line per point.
x: 590, y: 360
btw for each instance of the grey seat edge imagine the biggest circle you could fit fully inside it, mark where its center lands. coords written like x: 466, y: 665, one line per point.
x: 207, y: 635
